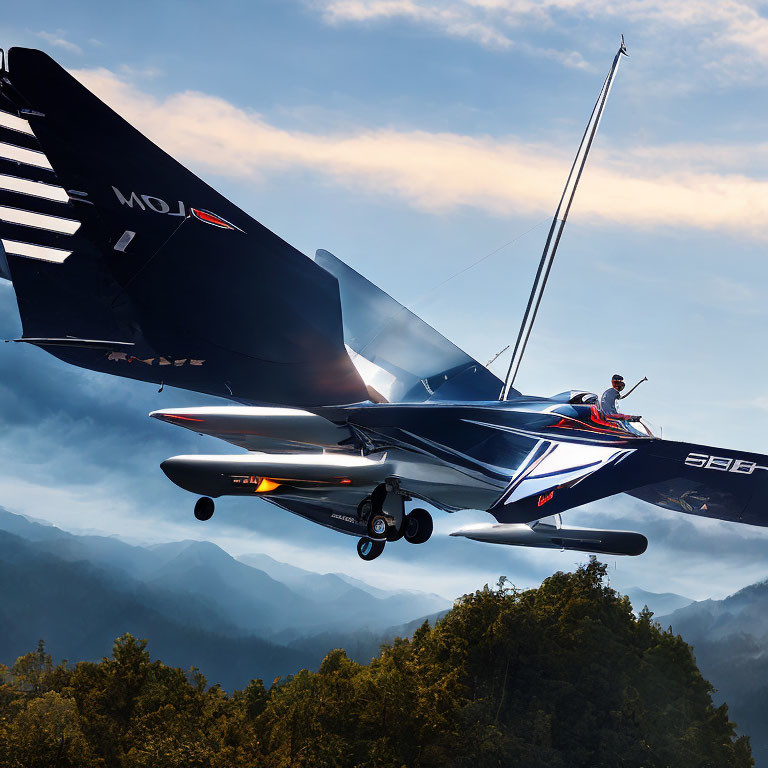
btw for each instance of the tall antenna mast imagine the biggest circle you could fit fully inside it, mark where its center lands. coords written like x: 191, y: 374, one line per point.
x: 558, y: 224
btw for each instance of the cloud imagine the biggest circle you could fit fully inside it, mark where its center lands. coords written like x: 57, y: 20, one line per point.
x: 146, y: 73
x: 58, y: 40
x: 643, y: 186
x: 732, y: 296
x: 716, y: 25
x: 457, y: 19
x: 451, y: 18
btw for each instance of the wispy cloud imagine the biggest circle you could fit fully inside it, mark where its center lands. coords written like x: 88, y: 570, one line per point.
x: 711, y: 25
x: 453, y: 18
x: 140, y: 73
x: 759, y: 402
x: 58, y: 40
x: 488, y: 24
x: 644, y: 186
x: 732, y: 296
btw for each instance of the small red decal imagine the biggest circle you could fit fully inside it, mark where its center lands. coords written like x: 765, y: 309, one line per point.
x: 212, y: 218
x: 183, y: 418
x: 544, y: 498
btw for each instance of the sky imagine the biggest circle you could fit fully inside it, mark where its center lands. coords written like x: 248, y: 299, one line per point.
x: 412, y: 138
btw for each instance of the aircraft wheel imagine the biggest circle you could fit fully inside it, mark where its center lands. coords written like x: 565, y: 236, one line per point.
x: 368, y: 549
x: 377, y: 527
x: 204, y: 507
x: 418, y: 526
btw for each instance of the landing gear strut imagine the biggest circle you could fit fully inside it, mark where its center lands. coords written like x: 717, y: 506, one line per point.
x: 369, y: 549
x: 204, y: 507
x: 384, y: 513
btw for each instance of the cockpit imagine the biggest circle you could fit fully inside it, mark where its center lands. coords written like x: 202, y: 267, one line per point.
x: 582, y: 397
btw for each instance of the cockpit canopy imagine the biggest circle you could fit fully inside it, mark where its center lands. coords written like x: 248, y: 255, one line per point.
x: 576, y: 397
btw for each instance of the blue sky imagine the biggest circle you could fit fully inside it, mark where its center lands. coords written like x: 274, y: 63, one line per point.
x: 411, y: 138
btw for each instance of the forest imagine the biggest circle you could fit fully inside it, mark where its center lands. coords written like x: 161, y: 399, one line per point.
x: 561, y: 675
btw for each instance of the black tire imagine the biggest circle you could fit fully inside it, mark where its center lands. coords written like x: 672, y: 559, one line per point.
x: 368, y: 549
x: 418, y: 526
x: 377, y: 527
x: 204, y: 507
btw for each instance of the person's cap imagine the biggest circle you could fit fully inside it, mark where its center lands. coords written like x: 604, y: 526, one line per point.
x: 617, y: 377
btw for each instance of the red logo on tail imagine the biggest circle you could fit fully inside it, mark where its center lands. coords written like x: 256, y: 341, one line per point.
x: 212, y: 218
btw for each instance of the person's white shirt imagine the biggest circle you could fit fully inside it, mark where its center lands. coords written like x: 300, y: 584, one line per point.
x: 608, y: 400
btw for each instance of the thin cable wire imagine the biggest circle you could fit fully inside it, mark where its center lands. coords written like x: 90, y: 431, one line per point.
x: 475, y: 263
x: 409, y: 307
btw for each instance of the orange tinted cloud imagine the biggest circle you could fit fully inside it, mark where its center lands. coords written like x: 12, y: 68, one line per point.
x: 676, y: 185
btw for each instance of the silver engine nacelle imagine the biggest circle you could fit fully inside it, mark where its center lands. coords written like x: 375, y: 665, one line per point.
x: 545, y: 536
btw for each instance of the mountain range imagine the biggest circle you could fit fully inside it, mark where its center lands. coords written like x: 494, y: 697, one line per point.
x: 196, y: 604
x: 253, y: 616
x: 730, y: 641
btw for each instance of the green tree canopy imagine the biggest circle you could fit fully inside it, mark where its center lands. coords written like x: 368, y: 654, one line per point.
x: 561, y: 675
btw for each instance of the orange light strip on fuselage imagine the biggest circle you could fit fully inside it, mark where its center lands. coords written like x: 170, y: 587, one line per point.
x: 266, y: 485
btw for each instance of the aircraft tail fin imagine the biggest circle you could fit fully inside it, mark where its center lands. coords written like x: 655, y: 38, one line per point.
x: 108, y: 237
x: 397, y: 353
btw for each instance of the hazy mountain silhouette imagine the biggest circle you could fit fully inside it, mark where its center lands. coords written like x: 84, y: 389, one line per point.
x: 659, y: 603
x: 730, y: 640
x: 355, y: 605
x: 79, y: 609
x: 197, y: 604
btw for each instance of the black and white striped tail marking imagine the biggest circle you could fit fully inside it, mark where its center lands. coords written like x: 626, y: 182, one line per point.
x: 34, y: 209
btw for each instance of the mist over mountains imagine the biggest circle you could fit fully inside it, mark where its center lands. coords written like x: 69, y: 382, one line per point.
x: 730, y: 641
x: 197, y: 604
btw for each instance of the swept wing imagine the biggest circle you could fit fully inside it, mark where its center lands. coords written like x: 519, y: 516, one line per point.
x: 685, y: 477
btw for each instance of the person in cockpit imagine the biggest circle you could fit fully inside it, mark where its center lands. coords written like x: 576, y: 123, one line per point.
x: 611, y: 395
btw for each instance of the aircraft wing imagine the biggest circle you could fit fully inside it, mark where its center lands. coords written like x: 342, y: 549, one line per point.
x: 399, y: 355
x: 125, y: 262
x: 711, y: 482
x: 697, y: 479
x: 277, y: 430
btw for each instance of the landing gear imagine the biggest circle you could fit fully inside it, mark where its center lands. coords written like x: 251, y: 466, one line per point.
x: 377, y: 527
x: 368, y: 549
x: 395, y: 532
x: 378, y: 519
x: 383, y: 512
x: 417, y: 526
x: 385, y: 520
x: 204, y: 507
